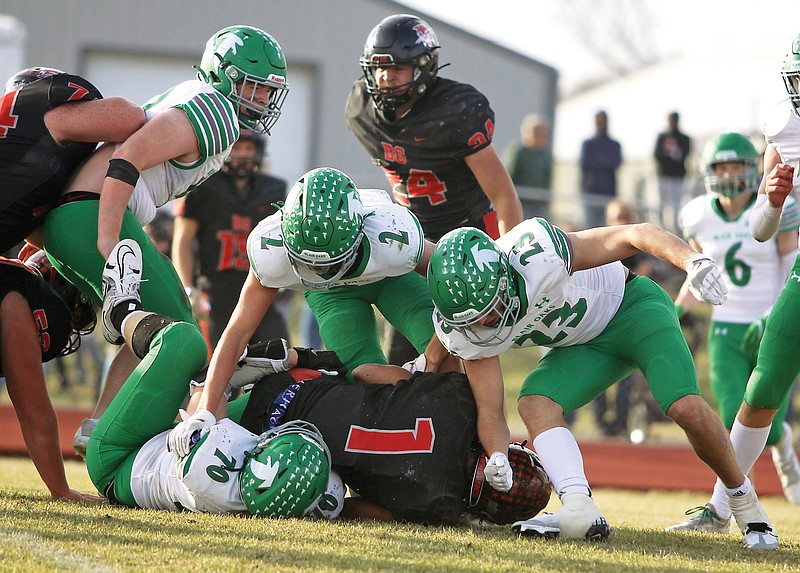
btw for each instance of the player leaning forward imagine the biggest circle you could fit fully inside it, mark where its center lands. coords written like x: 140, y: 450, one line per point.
x: 538, y: 285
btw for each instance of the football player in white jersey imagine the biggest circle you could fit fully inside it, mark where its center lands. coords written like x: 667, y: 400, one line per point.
x: 538, y: 285
x: 347, y: 250
x: 717, y: 224
x: 189, y: 132
x: 230, y: 469
x: 778, y: 361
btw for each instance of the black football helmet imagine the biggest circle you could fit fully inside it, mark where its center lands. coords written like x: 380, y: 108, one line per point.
x: 240, y: 170
x: 84, y: 316
x: 401, y: 39
x: 28, y: 76
x: 528, y: 496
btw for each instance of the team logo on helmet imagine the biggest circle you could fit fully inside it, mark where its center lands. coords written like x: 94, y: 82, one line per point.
x: 228, y: 43
x: 425, y: 35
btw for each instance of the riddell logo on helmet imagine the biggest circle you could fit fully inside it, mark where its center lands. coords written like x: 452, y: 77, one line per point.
x: 276, y: 78
x: 425, y: 36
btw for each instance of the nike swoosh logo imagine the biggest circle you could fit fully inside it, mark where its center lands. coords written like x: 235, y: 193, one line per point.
x: 420, y: 138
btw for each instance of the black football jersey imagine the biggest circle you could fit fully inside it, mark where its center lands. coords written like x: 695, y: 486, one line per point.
x: 51, y: 315
x: 405, y: 447
x: 226, y: 218
x: 33, y: 166
x: 423, y: 152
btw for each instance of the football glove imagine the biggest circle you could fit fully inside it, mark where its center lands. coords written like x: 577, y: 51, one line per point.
x: 417, y: 365
x: 325, y: 361
x: 752, y: 338
x: 705, y: 280
x: 259, y: 360
x: 498, y: 472
x: 186, y: 434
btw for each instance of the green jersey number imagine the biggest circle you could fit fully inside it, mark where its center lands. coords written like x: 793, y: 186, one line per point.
x: 738, y: 271
x: 527, y: 248
x: 568, y: 315
x: 221, y: 473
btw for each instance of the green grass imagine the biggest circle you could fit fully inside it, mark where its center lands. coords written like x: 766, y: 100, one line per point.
x: 38, y: 534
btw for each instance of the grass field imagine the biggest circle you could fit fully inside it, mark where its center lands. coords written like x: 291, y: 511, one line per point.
x: 37, y: 534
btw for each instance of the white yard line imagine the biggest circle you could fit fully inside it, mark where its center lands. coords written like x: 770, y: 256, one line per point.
x: 48, y: 552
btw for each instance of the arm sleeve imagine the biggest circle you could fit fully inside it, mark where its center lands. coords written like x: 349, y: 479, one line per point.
x: 764, y: 219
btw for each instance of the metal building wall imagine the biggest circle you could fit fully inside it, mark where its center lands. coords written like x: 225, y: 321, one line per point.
x: 323, y: 36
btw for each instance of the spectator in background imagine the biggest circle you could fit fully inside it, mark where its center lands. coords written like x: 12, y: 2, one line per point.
x: 672, y: 149
x: 530, y: 164
x: 217, y: 217
x: 599, y: 160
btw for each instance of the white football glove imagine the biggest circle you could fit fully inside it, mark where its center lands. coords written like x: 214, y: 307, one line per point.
x: 416, y: 365
x: 181, y: 439
x: 498, y: 472
x: 705, y: 280
x: 261, y: 360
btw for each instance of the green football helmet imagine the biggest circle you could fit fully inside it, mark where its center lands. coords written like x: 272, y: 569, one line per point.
x: 239, y: 59
x: 470, y: 278
x: 322, y: 226
x: 730, y: 147
x: 287, y: 473
x: 791, y: 75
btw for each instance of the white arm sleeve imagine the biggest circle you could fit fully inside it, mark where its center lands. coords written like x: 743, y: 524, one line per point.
x: 764, y: 219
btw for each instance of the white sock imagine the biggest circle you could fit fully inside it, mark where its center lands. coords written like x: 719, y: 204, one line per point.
x: 740, y: 490
x: 748, y: 443
x: 562, y: 460
x: 719, y: 500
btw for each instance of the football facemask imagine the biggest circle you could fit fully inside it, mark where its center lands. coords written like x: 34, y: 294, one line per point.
x: 791, y: 75
x: 239, y: 62
x: 470, y: 281
x: 322, y: 226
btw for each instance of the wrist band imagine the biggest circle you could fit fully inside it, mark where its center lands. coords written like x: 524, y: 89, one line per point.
x: 123, y: 170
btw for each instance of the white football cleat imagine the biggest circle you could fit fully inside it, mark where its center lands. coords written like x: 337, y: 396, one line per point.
x: 788, y: 467
x: 579, y: 518
x: 705, y: 519
x: 753, y: 521
x: 122, y: 274
x: 81, y: 439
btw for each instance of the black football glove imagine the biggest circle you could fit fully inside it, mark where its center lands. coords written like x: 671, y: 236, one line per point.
x: 323, y: 360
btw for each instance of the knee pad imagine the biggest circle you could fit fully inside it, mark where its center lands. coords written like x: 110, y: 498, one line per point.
x: 144, y: 332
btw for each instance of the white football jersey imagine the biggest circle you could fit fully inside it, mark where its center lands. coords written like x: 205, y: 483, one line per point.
x: 558, y: 307
x: 782, y: 131
x: 206, y: 480
x: 392, y: 245
x: 216, y: 126
x: 752, y: 269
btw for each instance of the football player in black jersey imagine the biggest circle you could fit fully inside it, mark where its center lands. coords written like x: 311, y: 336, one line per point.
x: 50, y: 123
x: 41, y: 317
x: 432, y: 136
x: 217, y: 217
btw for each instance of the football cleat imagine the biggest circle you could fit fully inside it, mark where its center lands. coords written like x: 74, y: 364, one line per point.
x: 122, y: 274
x: 753, y: 521
x: 703, y: 518
x: 788, y: 468
x: 580, y: 518
x: 81, y: 439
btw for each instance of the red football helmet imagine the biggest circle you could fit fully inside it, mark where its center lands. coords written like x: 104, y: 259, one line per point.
x: 528, y: 496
